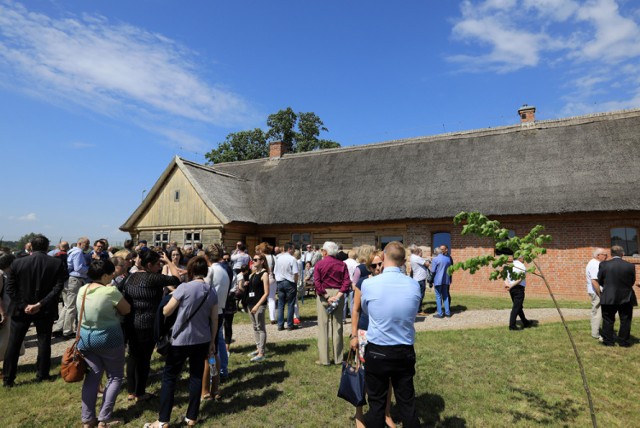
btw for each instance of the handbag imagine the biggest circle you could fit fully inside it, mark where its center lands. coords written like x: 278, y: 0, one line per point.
x: 73, y: 366
x: 163, y: 344
x: 352, y: 380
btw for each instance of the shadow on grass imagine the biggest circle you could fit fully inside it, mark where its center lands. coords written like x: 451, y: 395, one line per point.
x: 31, y: 368
x: 543, y: 411
x: 430, y: 408
x: 430, y: 308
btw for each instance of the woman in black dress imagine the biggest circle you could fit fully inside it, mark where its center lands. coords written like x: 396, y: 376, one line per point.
x: 257, y: 292
x: 144, y: 290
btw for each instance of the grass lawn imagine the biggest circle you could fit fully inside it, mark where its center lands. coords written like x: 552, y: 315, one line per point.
x: 488, y: 377
x: 460, y: 302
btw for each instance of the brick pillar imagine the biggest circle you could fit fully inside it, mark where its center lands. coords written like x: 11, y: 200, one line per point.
x: 527, y: 114
x: 277, y: 149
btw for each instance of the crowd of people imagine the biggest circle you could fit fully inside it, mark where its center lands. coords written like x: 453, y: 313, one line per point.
x: 116, y: 302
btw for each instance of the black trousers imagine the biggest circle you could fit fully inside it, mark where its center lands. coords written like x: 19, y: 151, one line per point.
x: 141, y: 345
x: 517, y: 297
x: 19, y: 327
x: 625, y: 312
x: 395, y: 364
x: 197, y: 354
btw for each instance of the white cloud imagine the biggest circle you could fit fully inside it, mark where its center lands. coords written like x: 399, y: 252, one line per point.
x: 597, y: 42
x: 616, y: 37
x: 28, y: 217
x: 114, y: 69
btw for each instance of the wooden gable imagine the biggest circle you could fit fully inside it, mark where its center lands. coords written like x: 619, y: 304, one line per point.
x: 177, y: 204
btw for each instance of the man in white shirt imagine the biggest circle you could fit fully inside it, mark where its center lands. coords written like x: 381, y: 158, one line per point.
x: 593, y: 289
x: 419, y: 268
x: 308, y: 255
x: 286, y: 273
x: 240, y: 257
x: 516, y: 290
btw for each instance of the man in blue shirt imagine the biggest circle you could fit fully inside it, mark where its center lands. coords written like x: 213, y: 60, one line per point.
x: 441, y: 281
x: 391, y: 300
x: 77, y: 266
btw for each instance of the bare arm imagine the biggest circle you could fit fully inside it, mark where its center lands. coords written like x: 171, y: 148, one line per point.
x: 355, y: 317
x: 170, y: 307
x: 596, y: 286
x: 173, y: 269
x: 123, y: 307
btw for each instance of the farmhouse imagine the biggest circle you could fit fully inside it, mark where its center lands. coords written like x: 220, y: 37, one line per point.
x: 576, y: 176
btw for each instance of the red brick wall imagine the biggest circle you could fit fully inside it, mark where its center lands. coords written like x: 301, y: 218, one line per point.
x: 574, y: 237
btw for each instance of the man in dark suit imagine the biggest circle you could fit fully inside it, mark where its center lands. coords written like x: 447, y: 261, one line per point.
x: 617, y: 278
x: 34, y: 285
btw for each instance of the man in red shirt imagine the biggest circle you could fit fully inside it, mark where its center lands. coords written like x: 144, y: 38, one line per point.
x: 331, y: 280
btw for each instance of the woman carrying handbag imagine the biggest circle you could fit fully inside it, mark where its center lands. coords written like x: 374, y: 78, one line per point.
x: 101, y: 342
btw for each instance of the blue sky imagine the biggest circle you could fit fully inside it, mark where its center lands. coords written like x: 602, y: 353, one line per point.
x: 97, y: 97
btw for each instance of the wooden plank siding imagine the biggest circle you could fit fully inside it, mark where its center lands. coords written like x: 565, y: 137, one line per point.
x: 189, y: 212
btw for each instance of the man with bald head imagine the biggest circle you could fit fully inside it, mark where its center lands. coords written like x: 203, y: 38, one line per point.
x: 593, y: 289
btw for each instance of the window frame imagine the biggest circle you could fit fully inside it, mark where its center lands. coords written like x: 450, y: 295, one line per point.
x: 624, y: 244
x: 433, y: 235
x: 161, y: 235
x: 388, y: 238
x: 300, y: 241
x: 496, y: 252
x: 192, y: 232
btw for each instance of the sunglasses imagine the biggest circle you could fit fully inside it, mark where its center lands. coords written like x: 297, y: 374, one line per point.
x: 375, y: 265
x: 257, y: 260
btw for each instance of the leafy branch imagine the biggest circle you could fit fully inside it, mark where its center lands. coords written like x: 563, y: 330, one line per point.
x: 529, y: 248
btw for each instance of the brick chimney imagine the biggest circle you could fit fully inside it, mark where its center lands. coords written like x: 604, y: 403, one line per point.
x: 527, y: 114
x: 277, y: 149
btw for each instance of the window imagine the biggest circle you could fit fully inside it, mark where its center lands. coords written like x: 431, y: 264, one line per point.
x: 160, y: 238
x: 300, y: 239
x: 384, y: 240
x: 441, y: 238
x: 627, y: 238
x: 506, y: 251
x: 176, y: 196
x: 191, y: 237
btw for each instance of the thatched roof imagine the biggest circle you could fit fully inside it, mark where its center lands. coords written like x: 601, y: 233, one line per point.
x: 580, y: 164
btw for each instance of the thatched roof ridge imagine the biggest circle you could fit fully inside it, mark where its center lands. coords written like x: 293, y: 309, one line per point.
x: 578, y: 164
x: 539, y: 124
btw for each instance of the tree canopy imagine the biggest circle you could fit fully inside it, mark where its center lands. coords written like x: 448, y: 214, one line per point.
x: 300, y: 132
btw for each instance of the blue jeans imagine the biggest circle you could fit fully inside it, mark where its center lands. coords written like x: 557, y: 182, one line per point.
x: 442, y: 297
x: 348, y: 301
x: 197, y: 354
x: 286, y: 294
x: 222, y: 351
x: 423, y: 287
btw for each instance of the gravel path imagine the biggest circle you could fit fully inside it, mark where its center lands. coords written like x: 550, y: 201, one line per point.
x: 243, y: 333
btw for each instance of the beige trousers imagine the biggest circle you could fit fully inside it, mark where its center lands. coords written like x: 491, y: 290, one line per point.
x: 329, y: 325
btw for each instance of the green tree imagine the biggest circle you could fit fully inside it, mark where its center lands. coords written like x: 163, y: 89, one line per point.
x: 240, y: 146
x: 300, y: 132
x: 281, y: 127
x: 23, y: 240
x: 530, y: 247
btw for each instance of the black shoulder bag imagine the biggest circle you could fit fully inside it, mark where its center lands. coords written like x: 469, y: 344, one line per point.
x: 164, y: 342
